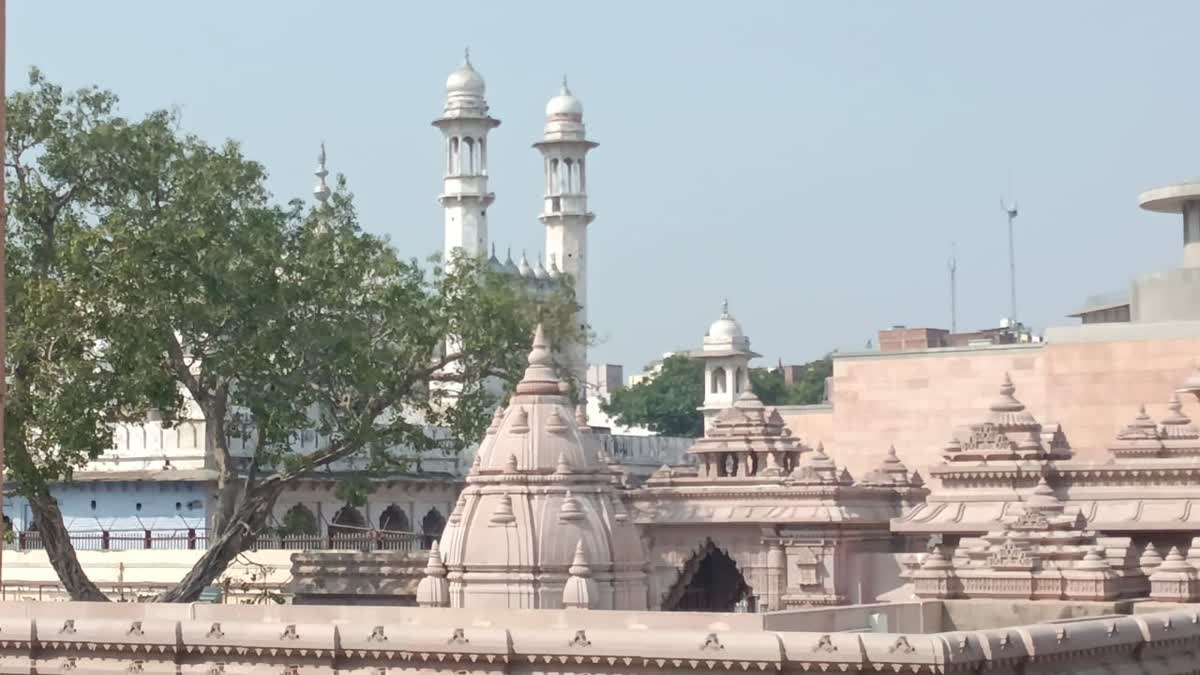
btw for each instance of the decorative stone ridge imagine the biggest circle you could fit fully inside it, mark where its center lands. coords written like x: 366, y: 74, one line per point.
x: 1008, y: 432
x: 892, y: 472
x: 1150, y: 485
x: 258, y: 643
x: 1043, y: 553
x: 537, y: 493
x: 391, y: 576
x: 745, y: 441
x: 789, y: 517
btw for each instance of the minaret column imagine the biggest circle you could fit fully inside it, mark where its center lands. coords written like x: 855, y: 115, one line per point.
x: 564, y: 147
x: 465, y: 198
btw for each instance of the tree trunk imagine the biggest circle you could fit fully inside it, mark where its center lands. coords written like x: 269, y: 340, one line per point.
x: 247, y: 521
x: 217, y: 447
x: 58, y: 546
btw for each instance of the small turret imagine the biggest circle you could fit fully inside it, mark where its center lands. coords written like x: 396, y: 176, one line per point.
x: 433, y: 589
x: 580, y: 590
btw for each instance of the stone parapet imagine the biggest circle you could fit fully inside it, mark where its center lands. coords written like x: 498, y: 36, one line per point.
x: 148, y: 638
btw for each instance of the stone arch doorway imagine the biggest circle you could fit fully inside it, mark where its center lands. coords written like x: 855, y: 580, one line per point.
x: 710, y: 581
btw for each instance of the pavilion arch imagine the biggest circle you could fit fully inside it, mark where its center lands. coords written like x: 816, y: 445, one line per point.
x: 347, y: 520
x: 710, y: 581
x: 718, y: 384
x: 394, y: 519
x: 431, y: 527
x: 299, y: 521
x: 455, y: 160
x: 468, y: 150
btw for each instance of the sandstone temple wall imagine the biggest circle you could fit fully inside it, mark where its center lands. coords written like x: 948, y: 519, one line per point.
x: 915, y: 399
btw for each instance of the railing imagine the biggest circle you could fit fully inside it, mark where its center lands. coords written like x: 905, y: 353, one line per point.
x: 193, y: 539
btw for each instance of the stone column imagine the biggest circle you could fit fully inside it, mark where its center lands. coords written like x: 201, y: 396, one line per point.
x: 1191, y: 233
x: 776, y: 575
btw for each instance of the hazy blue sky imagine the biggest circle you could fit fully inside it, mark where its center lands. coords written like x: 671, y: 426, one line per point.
x: 812, y: 162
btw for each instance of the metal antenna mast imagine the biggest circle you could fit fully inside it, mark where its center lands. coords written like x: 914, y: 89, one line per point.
x: 1010, y: 207
x: 953, y: 289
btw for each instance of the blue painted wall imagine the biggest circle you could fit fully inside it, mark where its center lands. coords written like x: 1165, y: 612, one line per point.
x: 102, y: 505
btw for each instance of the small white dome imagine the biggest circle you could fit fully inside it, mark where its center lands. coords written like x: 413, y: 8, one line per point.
x: 726, y: 327
x: 564, y: 104
x: 465, y: 80
x: 524, y: 268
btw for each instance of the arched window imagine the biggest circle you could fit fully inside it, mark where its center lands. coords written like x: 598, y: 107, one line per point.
x: 348, y: 520
x: 554, y: 184
x: 431, y: 527
x: 569, y: 179
x: 469, y: 151
x: 737, y: 381
x: 718, y: 381
x: 393, y: 519
x: 298, y: 521
x: 482, y: 156
x: 455, y: 166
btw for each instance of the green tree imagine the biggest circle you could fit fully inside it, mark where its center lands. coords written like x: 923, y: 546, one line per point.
x: 667, y: 403
x: 807, y: 389
x: 149, y: 264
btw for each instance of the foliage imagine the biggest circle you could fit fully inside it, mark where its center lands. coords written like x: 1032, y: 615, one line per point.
x: 668, y: 402
x: 806, y: 389
x: 297, y: 522
x: 148, y: 265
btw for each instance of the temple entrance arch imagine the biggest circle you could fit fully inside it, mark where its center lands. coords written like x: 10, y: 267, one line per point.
x: 710, y: 581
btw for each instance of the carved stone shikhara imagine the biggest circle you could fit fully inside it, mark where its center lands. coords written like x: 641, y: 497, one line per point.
x: 1069, y: 533
x: 535, y: 526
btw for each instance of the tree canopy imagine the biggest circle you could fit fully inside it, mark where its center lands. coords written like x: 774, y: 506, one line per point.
x: 668, y: 403
x: 147, y: 266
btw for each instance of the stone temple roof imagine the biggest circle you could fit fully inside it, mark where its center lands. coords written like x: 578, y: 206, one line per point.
x: 539, y: 503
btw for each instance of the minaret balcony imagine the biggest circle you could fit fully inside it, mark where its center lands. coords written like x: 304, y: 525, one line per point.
x: 465, y: 184
x: 566, y: 203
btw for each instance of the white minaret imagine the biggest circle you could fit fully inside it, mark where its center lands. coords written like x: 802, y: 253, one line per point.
x: 465, y: 123
x: 321, y: 190
x: 564, y: 147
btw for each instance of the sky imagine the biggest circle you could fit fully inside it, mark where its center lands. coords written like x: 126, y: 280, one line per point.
x: 811, y: 162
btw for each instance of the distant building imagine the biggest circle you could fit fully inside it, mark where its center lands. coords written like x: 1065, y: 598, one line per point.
x: 1168, y: 295
x: 1104, y: 308
x: 905, y: 339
